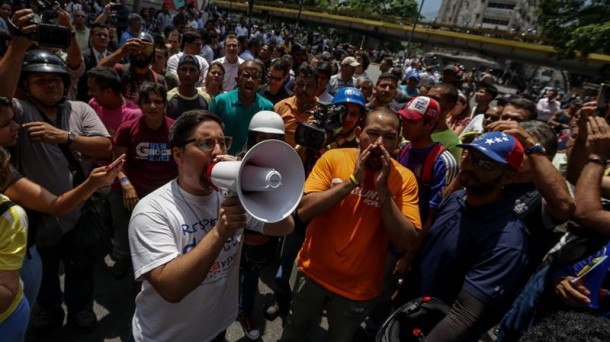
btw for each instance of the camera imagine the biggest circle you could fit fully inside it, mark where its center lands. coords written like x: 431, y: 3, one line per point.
x: 115, y: 6
x: 48, y: 33
x: 328, y: 122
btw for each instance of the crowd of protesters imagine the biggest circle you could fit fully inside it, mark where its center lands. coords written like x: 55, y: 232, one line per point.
x: 428, y: 182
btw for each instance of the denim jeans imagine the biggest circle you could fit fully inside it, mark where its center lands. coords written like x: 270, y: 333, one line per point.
x: 79, y: 278
x: 31, y: 274
x: 13, y: 328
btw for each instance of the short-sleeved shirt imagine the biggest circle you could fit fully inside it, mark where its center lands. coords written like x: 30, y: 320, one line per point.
x: 236, y: 117
x: 45, y: 164
x: 450, y: 140
x: 178, y: 103
x: 165, y: 225
x: 113, y: 118
x: 346, y: 247
x: 149, y: 162
x: 444, y: 170
x: 13, y: 246
x: 482, y: 250
x: 231, y: 69
x: 288, y: 110
x: 335, y: 83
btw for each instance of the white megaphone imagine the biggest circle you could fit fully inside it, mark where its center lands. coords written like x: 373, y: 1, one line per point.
x: 269, y: 180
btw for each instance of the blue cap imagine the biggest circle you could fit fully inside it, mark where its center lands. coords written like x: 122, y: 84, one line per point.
x: 499, y: 147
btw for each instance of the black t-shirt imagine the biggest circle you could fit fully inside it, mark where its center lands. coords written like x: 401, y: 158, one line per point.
x: 178, y: 105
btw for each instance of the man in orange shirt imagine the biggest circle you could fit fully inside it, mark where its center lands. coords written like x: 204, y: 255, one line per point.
x: 294, y: 109
x: 358, y: 200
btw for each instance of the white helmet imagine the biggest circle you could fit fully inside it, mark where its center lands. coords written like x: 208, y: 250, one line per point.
x: 267, y: 121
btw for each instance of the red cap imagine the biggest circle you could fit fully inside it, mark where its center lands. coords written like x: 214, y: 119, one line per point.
x: 421, y: 107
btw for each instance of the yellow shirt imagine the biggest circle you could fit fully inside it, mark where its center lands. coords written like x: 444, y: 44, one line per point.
x: 13, y: 246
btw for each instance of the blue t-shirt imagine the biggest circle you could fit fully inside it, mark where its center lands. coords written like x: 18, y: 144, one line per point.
x: 236, y: 117
x: 480, y: 249
x: 444, y: 170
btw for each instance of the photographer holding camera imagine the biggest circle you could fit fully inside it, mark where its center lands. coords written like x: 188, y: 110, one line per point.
x: 52, y: 30
x: 53, y: 125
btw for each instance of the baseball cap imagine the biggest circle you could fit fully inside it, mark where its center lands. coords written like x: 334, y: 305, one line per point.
x: 420, y: 107
x: 351, y: 61
x: 499, y: 147
x: 189, y: 59
x: 412, y: 75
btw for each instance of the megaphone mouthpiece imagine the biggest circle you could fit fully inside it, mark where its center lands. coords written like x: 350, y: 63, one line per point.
x: 254, y: 178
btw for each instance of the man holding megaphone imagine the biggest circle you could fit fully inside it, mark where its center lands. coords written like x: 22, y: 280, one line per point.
x: 186, y: 240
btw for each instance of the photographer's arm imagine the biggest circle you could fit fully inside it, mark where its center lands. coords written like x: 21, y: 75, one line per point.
x: 131, y: 45
x: 103, y: 17
x: 10, y: 64
x: 75, y: 57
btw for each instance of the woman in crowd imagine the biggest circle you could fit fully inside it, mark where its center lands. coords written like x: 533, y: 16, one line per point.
x: 14, y: 307
x: 459, y: 116
x: 213, y: 82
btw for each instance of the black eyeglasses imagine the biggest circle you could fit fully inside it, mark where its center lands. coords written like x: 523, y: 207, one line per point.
x: 254, y: 76
x: 208, y: 144
x: 483, y: 162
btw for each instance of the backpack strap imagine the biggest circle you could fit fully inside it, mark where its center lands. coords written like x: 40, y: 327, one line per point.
x: 5, y: 206
x: 403, y: 152
x: 428, y: 169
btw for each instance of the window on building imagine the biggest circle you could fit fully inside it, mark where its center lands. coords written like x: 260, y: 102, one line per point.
x: 492, y: 21
x: 499, y: 5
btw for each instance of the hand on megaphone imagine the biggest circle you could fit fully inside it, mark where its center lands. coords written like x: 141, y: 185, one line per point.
x: 231, y: 217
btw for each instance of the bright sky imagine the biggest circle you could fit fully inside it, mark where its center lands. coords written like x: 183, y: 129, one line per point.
x: 430, y: 9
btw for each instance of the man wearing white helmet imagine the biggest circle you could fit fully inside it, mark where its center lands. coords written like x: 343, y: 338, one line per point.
x: 258, y: 249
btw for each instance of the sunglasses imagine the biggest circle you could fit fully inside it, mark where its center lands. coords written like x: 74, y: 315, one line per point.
x: 208, y: 144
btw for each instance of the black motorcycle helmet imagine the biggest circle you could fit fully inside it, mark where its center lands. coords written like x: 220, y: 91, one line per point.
x: 43, y: 61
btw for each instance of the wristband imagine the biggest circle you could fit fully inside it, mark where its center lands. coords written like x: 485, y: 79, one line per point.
x: 597, y: 160
x: 354, y: 181
x: 124, y: 180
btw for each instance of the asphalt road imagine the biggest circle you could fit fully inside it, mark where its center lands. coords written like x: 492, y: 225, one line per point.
x: 114, y: 307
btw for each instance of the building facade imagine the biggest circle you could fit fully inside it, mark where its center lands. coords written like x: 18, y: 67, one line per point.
x: 510, y: 15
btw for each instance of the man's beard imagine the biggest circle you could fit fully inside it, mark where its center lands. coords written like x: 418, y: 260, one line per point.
x: 141, y: 63
x: 476, y: 186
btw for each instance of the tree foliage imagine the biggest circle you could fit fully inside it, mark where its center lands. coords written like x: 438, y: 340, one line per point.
x: 576, y: 25
x: 399, y: 8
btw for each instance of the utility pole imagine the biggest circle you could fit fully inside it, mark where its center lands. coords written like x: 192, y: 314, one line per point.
x: 413, y: 30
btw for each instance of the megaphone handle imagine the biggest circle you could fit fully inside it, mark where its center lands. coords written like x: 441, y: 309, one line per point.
x: 226, y: 193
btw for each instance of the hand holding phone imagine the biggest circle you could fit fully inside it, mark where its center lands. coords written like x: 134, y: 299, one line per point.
x: 116, y: 162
